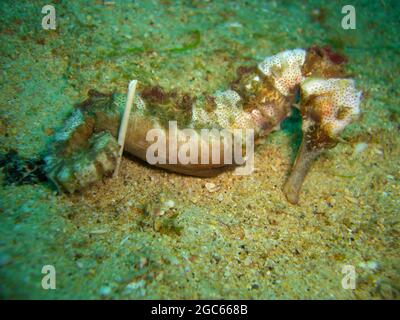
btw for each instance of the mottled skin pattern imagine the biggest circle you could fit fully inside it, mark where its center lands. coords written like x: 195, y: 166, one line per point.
x: 260, y: 98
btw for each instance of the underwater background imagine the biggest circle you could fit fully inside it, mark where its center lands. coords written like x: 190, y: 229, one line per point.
x: 230, y: 237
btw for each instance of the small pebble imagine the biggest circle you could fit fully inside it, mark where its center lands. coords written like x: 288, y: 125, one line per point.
x: 211, y: 187
x: 378, y: 152
x: 98, y: 231
x: 143, y: 262
x: 105, y: 291
x: 373, y: 265
x: 135, y: 285
x: 360, y: 147
x: 169, y: 204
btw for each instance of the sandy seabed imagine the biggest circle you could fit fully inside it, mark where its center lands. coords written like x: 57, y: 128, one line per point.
x: 232, y: 237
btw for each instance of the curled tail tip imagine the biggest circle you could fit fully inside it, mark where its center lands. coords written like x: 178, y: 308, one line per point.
x: 291, y: 194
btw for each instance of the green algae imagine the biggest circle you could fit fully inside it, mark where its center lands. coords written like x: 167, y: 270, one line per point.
x: 193, y: 44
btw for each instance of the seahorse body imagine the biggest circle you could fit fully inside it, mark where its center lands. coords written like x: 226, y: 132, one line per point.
x: 260, y: 98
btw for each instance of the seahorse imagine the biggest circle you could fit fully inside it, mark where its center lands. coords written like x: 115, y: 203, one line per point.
x: 260, y: 98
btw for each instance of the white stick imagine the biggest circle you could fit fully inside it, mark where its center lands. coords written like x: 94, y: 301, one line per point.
x: 124, y: 124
